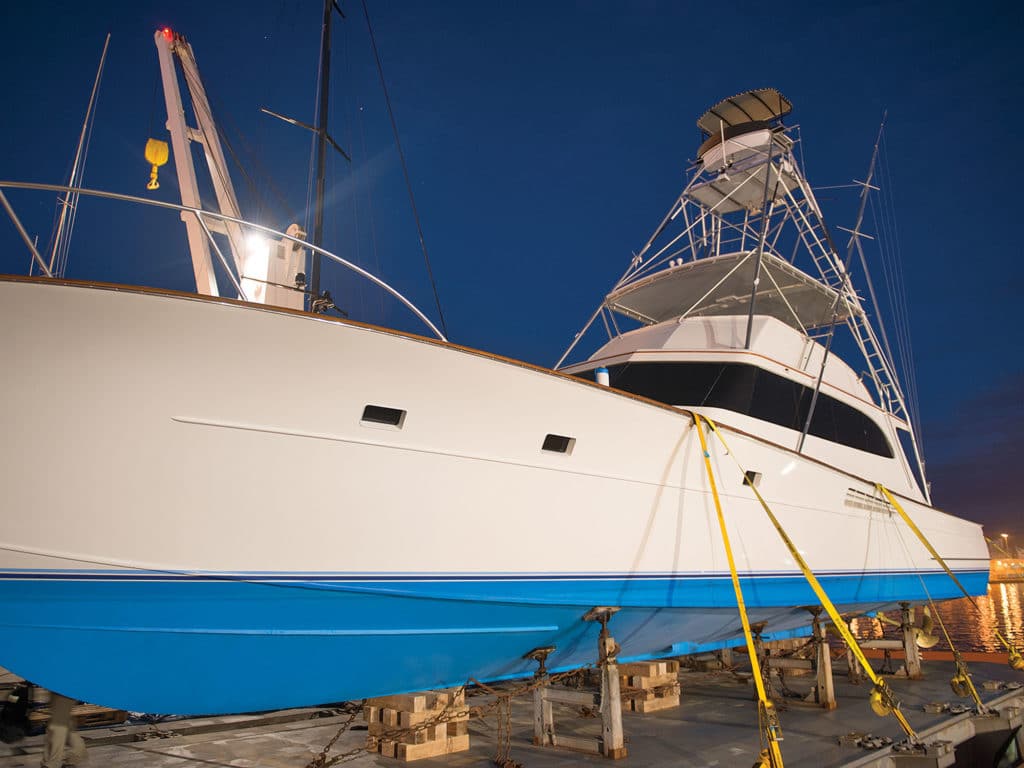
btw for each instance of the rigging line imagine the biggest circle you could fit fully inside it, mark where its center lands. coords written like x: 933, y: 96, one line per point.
x: 899, y: 312
x: 881, y: 227
x: 962, y: 675
x: 369, y: 205
x: 890, y: 208
x: 898, y: 307
x: 65, y: 247
x: 57, y: 209
x: 211, y: 160
x: 844, y: 287
x: 310, y: 173
x: 252, y: 159
x: 222, y: 172
x: 881, y: 688
x: 1011, y: 649
x: 346, y: 61
x: 903, y: 339
x: 874, y: 301
x: 195, y: 82
x: 405, y: 168
x: 154, y: 105
x: 62, y: 240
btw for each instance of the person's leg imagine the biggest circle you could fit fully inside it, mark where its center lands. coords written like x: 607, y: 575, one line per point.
x: 57, y: 731
x: 76, y: 750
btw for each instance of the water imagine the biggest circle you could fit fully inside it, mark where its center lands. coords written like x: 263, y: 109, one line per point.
x: 1002, y: 610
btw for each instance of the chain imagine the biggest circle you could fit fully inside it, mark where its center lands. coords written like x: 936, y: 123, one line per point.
x: 321, y: 760
x: 501, y: 706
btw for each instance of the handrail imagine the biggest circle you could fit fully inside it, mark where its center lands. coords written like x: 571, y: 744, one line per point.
x: 24, y: 235
x: 200, y: 213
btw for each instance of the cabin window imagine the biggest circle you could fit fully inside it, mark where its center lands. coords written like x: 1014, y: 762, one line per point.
x: 751, y: 391
x: 380, y: 416
x: 558, y: 444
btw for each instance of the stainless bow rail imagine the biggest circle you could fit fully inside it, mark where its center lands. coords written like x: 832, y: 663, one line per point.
x: 201, y: 215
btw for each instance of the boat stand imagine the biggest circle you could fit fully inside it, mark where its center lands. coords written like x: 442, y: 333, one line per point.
x: 823, y: 692
x: 908, y: 644
x: 611, y: 742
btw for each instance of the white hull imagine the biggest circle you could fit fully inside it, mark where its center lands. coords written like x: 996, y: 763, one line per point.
x: 175, y: 434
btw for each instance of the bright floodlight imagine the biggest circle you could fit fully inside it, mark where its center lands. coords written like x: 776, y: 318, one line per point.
x: 255, y: 243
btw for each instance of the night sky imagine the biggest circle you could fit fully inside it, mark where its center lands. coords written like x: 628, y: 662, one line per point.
x: 545, y: 141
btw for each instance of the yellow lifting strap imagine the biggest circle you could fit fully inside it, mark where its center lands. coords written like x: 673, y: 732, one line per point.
x: 962, y: 684
x: 1015, y: 659
x: 766, y: 710
x: 156, y: 155
x: 883, y: 700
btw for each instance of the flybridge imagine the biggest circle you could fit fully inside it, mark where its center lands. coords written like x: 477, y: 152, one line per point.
x: 747, y: 237
x: 720, y: 285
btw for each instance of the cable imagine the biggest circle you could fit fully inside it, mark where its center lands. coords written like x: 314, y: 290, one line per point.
x: 405, y: 168
x: 369, y: 205
x: 1015, y: 658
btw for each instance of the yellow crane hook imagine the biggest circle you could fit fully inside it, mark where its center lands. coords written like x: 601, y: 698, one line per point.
x: 156, y: 155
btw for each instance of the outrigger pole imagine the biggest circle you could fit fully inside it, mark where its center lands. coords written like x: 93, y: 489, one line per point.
x: 854, y: 235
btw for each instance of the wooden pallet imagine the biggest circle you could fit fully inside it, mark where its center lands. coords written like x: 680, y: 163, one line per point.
x: 82, y: 716
x: 415, y: 726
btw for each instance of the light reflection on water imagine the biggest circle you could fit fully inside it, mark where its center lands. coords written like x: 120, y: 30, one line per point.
x: 970, y: 629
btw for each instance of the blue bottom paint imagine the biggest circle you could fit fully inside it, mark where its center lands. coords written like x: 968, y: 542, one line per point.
x: 220, y: 645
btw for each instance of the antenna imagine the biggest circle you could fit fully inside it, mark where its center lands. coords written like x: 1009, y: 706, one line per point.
x: 62, y: 236
x: 323, y: 138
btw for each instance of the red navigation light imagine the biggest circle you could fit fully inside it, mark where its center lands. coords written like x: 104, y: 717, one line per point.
x: 168, y: 35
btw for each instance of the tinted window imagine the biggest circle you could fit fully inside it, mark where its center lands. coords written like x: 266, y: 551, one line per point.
x: 751, y: 391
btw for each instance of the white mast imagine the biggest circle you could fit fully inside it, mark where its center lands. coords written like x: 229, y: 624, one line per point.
x: 267, y: 271
x: 202, y: 266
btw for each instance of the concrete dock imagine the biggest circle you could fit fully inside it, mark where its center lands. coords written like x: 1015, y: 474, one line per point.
x: 715, y: 725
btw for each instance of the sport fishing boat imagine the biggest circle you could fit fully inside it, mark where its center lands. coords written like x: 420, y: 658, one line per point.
x: 202, y: 539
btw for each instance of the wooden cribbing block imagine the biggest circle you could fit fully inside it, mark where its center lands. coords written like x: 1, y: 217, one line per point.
x: 638, y: 681
x: 412, y: 719
x: 414, y: 726
x: 421, y: 702
x: 409, y: 752
x: 650, y: 668
x: 650, y: 686
x: 653, y: 705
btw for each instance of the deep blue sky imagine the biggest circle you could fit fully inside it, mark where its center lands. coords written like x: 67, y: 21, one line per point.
x: 545, y: 141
